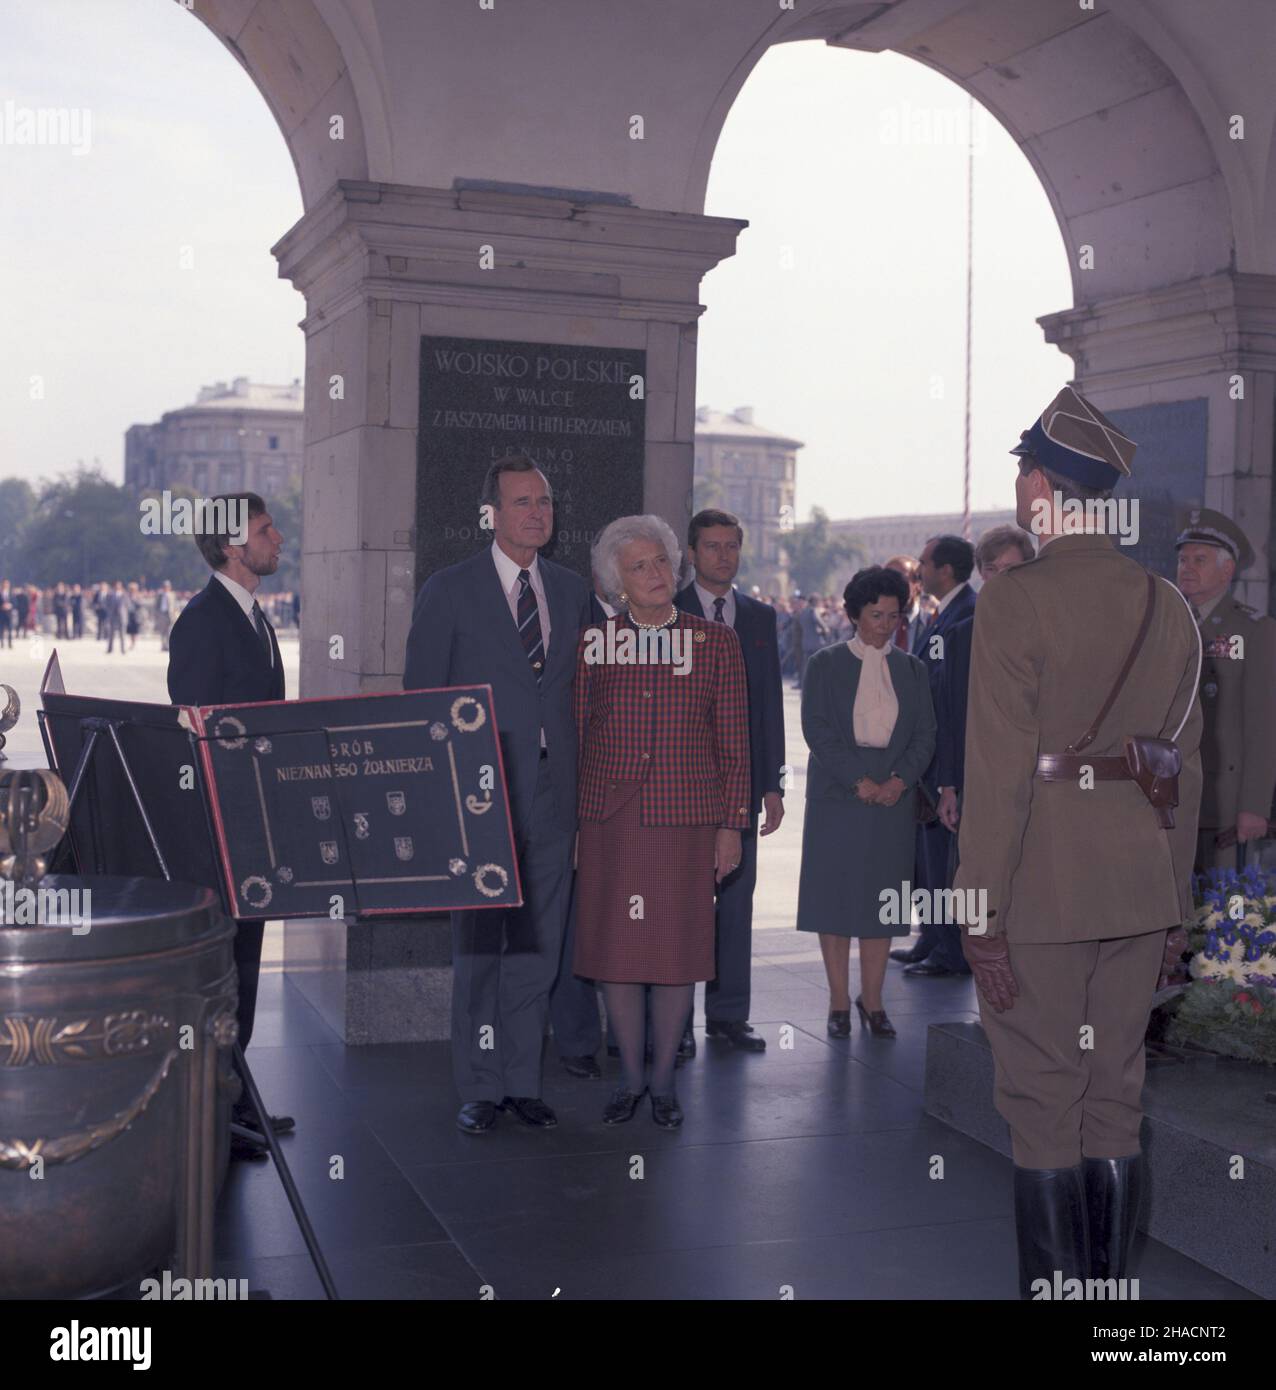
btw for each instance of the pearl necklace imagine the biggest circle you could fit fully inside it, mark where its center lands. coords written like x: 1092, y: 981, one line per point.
x: 655, y: 627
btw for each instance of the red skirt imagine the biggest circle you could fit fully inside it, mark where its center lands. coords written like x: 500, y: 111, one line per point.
x: 668, y: 867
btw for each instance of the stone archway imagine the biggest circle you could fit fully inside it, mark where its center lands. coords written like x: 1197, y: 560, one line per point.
x: 310, y: 71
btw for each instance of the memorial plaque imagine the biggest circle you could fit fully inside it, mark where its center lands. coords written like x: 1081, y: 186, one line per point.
x: 377, y: 803
x: 1168, y: 477
x: 570, y: 408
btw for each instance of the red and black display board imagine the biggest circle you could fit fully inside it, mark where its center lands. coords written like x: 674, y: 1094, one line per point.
x: 370, y: 805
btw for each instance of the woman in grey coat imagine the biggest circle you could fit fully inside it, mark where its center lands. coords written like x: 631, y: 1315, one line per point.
x: 868, y: 721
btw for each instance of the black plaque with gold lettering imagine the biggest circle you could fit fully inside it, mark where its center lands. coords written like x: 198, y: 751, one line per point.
x: 578, y: 411
x: 354, y: 807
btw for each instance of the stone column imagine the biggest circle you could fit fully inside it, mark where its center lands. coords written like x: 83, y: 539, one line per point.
x: 1190, y: 370
x: 380, y: 266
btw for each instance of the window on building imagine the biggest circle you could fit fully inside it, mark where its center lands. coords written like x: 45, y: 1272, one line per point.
x: 274, y: 441
x: 228, y: 440
x: 199, y: 478
x: 201, y: 439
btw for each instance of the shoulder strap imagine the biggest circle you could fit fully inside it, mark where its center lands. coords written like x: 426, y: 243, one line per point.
x: 1091, y: 733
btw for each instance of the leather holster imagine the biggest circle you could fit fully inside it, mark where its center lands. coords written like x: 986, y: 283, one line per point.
x: 1155, y: 764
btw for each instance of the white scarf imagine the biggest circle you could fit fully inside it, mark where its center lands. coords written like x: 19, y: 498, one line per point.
x: 876, y: 704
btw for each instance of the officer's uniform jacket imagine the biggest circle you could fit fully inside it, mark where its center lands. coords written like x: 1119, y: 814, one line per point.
x: 1061, y: 863
x: 1238, y: 700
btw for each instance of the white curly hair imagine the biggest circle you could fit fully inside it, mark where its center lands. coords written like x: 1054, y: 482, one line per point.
x: 605, y: 555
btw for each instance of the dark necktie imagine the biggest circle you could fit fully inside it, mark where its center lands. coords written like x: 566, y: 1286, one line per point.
x: 263, y: 631
x: 529, y: 624
x: 718, y: 605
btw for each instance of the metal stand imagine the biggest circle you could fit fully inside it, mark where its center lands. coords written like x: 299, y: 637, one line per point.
x: 96, y: 727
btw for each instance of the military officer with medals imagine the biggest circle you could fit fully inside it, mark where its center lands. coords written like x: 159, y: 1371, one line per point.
x: 1238, y: 688
x: 1073, y: 654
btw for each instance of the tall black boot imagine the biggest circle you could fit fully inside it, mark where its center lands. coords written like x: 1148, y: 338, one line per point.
x: 1113, y: 1187
x: 1050, y: 1225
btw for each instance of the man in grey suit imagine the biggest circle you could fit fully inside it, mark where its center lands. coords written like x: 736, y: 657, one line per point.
x: 510, y: 619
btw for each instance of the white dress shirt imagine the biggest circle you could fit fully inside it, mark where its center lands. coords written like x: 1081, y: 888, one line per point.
x: 707, y: 601
x: 246, y: 601
x: 508, y: 570
x: 949, y: 596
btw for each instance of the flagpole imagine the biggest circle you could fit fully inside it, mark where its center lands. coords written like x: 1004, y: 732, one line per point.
x: 970, y: 266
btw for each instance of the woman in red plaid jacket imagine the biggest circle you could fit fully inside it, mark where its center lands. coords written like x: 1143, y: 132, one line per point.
x: 663, y: 722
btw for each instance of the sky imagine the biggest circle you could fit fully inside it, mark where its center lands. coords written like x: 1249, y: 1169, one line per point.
x: 138, y: 270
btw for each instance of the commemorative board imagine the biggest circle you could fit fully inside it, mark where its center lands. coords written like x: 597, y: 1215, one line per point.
x: 356, y: 807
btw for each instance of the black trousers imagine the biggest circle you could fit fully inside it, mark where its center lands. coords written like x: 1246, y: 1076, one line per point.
x: 726, y: 996
x: 248, y: 965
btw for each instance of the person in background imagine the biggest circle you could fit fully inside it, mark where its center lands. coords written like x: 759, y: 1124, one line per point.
x: 946, y: 564
x: 913, y: 618
x: 813, y: 634
x: 164, y: 613
x: 7, y: 614
x: 77, y: 612
x: 21, y: 607
x: 998, y: 550
x: 714, y: 540
x: 61, y: 609
x: 100, y: 595
x: 133, y: 614
x: 868, y: 721
x: 1238, y: 688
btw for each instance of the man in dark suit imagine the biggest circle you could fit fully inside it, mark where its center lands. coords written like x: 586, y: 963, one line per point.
x: 946, y: 565
x: 222, y: 651
x: 713, y: 543
x: 510, y: 619
x: 998, y: 550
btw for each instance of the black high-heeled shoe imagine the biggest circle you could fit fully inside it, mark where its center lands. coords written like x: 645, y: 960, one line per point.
x: 839, y: 1023
x: 666, y: 1111
x: 622, y: 1105
x: 876, y: 1022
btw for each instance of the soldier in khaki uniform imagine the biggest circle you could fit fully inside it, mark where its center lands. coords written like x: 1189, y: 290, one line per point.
x: 1238, y: 686
x: 1082, y: 880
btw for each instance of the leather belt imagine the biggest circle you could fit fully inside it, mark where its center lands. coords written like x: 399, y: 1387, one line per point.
x: 1066, y: 767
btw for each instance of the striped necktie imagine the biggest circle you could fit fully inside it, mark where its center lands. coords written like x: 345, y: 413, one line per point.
x: 529, y: 624
x: 718, y: 605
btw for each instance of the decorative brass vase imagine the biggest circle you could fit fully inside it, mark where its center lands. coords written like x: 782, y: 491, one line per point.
x: 115, y: 1086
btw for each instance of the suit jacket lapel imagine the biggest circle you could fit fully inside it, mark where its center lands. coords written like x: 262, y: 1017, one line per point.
x: 689, y: 601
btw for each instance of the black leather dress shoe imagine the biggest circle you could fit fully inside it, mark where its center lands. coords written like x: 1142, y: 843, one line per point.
x: 583, y: 1068
x: 246, y: 1116
x: 687, y: 1047
x: 476, y: 1117
x: 739, y: 1035
x: 666, y: 1111
x: 532, y: 1110
x: 924, y: 970
x: 839, y: 1024
x: 621, y: 1106
x: 245, y: 1151
x: 906, y: 955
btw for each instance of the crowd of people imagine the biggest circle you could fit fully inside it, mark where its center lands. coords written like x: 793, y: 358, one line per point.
x: 116, y: 613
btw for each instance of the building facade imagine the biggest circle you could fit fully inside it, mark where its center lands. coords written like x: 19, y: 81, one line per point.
x: 243, y: 436
x: 749, y: 471
x: 883, y: 537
